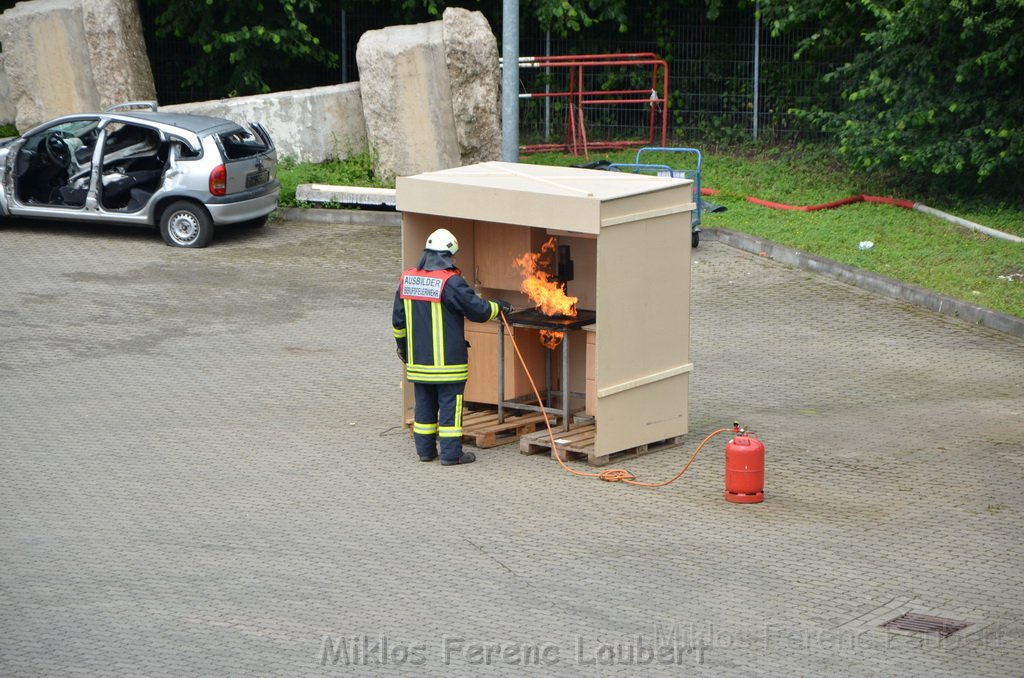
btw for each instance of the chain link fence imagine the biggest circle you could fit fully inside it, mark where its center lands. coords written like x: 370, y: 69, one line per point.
x: 713, y: 75
x: 711, y: 66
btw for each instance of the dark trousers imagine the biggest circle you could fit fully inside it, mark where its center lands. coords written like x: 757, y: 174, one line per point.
x: 438, y: 415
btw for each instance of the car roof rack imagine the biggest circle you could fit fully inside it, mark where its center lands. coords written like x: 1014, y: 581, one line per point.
x: 151, y: 105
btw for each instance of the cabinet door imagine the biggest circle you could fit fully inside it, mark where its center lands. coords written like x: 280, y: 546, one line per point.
x: 496, y: 247
x: 482, y: 386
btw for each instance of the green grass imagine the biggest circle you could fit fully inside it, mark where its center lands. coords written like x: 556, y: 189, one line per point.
x: 8, y: 131
x: 356, y: 170
x: 909, y: 246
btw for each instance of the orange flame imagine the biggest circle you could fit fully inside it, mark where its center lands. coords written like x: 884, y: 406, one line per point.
x: 551, y: 338
x: 546, y: 293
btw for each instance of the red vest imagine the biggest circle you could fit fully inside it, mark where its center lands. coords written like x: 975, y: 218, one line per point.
x: 424, y: 285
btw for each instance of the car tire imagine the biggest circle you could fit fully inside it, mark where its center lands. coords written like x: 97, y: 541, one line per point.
x: 186, y: 224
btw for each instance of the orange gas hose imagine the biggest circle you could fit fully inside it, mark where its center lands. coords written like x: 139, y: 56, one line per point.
x: 612, y: 475
x: 907, y: 204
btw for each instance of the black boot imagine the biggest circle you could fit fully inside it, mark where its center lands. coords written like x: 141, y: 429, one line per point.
x: 466, y: 458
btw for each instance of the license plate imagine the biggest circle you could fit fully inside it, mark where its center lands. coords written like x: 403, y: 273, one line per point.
x: 256, y: 178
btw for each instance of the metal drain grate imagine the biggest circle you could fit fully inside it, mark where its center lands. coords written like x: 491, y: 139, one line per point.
x: 923, y: 623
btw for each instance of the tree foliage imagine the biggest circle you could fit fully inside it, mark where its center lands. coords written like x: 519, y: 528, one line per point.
x: 559, y: 16
x: 570, y: 16
x: 929, y: 87
x: 934, y: 88
x: 244, y: 42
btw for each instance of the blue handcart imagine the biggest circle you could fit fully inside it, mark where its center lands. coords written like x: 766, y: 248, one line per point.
x: 692, y: 172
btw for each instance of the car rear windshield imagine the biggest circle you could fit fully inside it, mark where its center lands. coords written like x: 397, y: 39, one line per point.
x: 241, y: 143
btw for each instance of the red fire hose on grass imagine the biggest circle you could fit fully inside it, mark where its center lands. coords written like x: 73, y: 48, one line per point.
x: 906, y: 204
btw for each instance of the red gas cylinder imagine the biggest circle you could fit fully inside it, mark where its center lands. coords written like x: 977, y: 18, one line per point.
x: 744, y: 470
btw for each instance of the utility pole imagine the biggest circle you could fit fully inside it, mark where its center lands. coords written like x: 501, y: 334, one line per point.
x: 510, y: 81
x: 757, y: 62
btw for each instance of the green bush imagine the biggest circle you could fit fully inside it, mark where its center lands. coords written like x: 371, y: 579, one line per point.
x: 933, y: 91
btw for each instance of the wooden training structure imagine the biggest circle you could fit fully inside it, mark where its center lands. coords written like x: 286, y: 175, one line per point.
x: 626, y: 238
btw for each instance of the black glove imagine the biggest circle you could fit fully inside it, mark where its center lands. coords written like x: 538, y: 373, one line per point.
x: 403, y: 354
x: 503, y: 306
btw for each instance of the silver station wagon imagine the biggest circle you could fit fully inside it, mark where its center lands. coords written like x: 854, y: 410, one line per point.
x: 131, y: 164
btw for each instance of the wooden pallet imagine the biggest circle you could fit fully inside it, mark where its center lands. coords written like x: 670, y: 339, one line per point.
x: 481, y: 427
x: 578, y: 443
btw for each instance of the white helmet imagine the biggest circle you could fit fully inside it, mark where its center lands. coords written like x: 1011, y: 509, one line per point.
x: 442, y: 240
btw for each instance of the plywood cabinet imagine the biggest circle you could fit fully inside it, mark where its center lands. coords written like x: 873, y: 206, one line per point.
x: 482, y: 386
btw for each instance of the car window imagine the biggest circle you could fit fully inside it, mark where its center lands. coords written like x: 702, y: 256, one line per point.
x: 186, y: 153
x: 76, y: 128
x: 82, y: 130
x: 78, y: 135
x: 130, y: 138
x: 241, y: 143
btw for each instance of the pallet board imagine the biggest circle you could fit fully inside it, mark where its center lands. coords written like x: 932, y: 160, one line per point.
x: 578, y: 443
x: 481, y: 428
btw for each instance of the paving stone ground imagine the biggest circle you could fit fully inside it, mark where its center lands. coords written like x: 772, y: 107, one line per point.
x: 203, y: 472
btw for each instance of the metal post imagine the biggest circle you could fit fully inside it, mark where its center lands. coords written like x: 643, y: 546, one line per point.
x: 344, y: 46
x: 757, y: 60
x: 547, y: 87
x: 510, y: 81
x: 501, y: 372
x: 548, y: 383
x: 565, y: 381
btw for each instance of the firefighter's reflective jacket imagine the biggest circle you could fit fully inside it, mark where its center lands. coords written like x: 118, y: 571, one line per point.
x: 430, y: 307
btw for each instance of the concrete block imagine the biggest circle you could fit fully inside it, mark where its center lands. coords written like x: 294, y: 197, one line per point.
x: 310, y: 125
x: 471, y: 54
x: 117, y: 51
x: 7, y: 109
x: 68, y: 56
x: 431, y: 94
x: 407, y: 102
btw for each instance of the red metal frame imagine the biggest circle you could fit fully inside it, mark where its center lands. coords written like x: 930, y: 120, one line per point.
x: 579, y: 98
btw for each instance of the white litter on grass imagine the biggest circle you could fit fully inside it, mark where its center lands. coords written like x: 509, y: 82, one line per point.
x: 866, y: 244
x: 1012, y: 277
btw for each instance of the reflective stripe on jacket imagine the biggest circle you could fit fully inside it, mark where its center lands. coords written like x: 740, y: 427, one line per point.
x: 434, y: 330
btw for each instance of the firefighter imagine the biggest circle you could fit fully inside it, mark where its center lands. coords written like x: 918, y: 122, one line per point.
x: 431, y: 305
